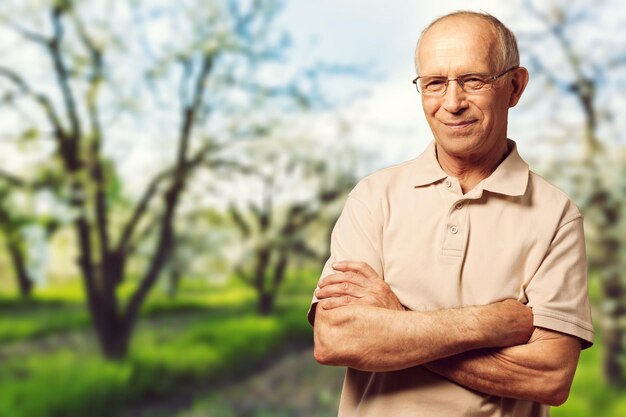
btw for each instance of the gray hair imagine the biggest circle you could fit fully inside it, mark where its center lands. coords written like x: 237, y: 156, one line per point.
x: 507, y: 54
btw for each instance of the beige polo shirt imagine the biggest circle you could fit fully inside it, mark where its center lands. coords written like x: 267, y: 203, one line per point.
x: 513, y: 236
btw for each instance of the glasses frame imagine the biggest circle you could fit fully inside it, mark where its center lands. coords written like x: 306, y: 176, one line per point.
x: 488, y: 80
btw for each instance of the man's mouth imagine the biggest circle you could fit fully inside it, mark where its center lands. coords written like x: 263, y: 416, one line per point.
x: 459, y: 124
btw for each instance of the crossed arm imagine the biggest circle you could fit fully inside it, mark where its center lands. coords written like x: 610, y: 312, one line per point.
x: 493, y: 349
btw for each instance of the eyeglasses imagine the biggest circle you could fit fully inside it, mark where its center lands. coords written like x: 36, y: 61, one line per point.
x: 437, y: 85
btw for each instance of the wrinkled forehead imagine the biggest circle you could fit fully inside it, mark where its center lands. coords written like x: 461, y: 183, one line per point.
x: 458, y: 43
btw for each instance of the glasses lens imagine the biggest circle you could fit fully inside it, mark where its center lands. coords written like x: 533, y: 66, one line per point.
x: 432, y: 85
x: 472, y: 83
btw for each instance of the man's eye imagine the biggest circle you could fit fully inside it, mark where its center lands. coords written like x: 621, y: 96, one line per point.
x: 434, y: 83
x: 473, y: 82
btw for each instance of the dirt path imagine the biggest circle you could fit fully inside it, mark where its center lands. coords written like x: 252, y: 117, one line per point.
x: 292, y: 386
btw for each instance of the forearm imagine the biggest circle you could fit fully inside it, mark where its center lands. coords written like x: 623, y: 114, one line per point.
x: 376, y: 339
x: 386, y: 340
x: 540, y: 371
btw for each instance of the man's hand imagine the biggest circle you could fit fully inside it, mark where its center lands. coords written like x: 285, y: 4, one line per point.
x: 379, y: 339
x: 356, y: 283
x: 509, y: 322
x: 374, y: 331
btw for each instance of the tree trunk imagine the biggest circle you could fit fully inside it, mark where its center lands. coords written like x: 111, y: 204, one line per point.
x: 613, y: 330
x: 114, y: 338
x: 174, y: 277
x: 112, y: 330
x: 24, y: 281
x: 267, y: 296
x: 613, y: 288
x: 266, y: 303
x: 265, y: 300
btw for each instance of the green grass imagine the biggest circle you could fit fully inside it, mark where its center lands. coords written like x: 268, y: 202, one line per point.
x: 62, y: 384
x: 206, y: 347
x: 27, y: 320
x: 207, y: 333
x: 590, y: 395
x: 61, y: 308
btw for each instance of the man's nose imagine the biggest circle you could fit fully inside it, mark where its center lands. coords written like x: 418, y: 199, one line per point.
x: 454, y: 98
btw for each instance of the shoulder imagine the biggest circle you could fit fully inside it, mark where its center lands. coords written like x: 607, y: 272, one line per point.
x: 551, y: 199
x: 378, y: 185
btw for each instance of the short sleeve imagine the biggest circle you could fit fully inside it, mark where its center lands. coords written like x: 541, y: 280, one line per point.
x: 558, y: 291
x: 355, y: 237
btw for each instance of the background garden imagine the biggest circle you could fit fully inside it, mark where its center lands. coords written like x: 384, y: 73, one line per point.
x: 170, y: 172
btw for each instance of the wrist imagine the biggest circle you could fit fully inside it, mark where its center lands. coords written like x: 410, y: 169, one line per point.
x: 504, y: 323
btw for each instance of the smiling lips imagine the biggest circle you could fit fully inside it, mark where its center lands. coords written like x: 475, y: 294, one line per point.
x: 459, y: 125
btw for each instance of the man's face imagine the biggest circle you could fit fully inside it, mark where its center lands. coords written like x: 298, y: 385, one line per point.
x: 466, y: 126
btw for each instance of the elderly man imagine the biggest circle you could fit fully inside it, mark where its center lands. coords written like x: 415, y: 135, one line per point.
x: 457, y: 281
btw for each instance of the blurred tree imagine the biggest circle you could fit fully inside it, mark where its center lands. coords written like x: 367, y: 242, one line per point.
x: 15, y: 222
x: 11, y: 223
x: 291, y: 186
x: 196, y: 254
x: 580, y: 62
x: 188, y: 74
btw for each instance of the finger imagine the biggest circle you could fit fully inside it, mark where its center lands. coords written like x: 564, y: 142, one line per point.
x: 334, y: 302
x: 350, y: 277
x: 356, y: 266
x: 340, y: 289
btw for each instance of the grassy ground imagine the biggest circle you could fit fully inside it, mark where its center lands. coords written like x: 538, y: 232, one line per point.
x: 590, y: 396
x: 296, y: 386
x: 51, y: 365
x: 205, y: 353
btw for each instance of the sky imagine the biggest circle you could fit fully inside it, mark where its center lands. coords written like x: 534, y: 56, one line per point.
x: 388, y: 121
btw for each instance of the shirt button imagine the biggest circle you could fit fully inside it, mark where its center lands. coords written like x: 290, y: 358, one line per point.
x: 459, y: 206
x: 447, y: 183
x: 454, y: 230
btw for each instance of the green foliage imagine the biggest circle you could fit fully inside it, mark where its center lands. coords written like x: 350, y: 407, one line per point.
x: 213, y: 348
x: 71, y: 292
x: 209, y: 333
x: 61, y: 307
x: 51, y: 310
x: 301, y: 281
x: 595, y: 288
x: 61, y: 384
x: 198, y: 294
x: 26, y: 320
x: 27, y: 137
x: 66, y: 384
x: 170, y: 351
x: 590, y: 395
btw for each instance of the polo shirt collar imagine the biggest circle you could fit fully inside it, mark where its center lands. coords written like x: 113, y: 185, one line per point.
x: 509, y: 178
x: 428, y: 168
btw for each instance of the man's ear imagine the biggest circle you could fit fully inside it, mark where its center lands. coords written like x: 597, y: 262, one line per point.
x: 518, y: 80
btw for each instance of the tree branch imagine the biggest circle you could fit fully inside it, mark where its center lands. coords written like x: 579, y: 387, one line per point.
x: 583, y: 87
x: 97, y: 170
x: 13, y: 179
x: 172, y: 196
x: 141, y: 235
x: 44, y: 102
x: 27, y: 33
x: 152, y: 189
x: 237, y: 217
x: 140, y: 210
x: 62, y: 74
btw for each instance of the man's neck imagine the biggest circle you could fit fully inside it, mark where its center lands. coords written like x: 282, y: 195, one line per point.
x: 470, y: 170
